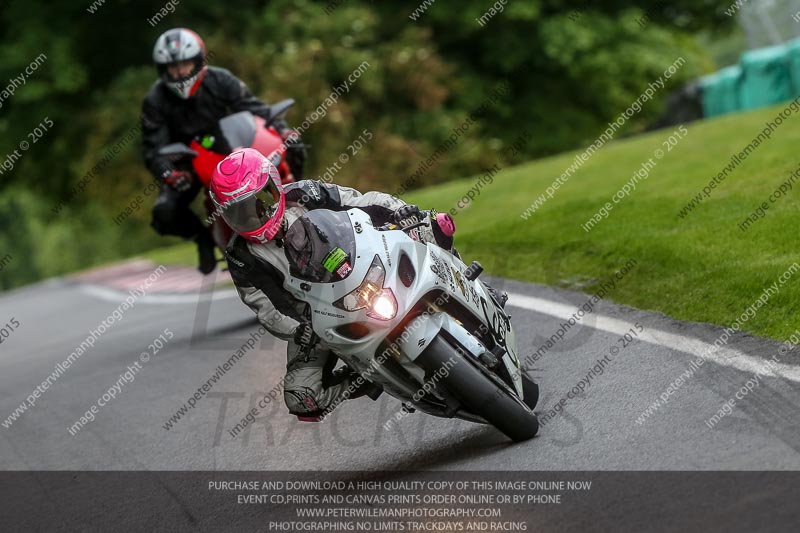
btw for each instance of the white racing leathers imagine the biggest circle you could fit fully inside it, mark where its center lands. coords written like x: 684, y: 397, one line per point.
x: 259, y: 271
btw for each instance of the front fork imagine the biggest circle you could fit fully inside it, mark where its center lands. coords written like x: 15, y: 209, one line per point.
x: 413, y: 344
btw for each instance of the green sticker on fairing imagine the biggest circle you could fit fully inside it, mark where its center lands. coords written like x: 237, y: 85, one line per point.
x: 207, y: 142
x: 334, y: 258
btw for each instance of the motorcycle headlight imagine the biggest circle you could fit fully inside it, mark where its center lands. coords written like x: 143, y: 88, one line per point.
x: 370, y: 293
x: 384, y: 306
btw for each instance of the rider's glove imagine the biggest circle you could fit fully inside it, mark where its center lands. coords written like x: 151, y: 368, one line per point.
x: 295, y: 152
x: 180, y: 180
x: 290, y: 137
x: 304, y: 336
x: 407, y: 215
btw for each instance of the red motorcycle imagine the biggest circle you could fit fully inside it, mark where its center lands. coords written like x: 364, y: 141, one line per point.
x: 240, y: 130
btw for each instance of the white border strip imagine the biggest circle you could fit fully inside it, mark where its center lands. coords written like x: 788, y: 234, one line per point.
x: 116, y: 296
x: 722, y: 356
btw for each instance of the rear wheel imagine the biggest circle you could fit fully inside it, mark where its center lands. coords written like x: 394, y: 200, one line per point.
x: 479, y: 391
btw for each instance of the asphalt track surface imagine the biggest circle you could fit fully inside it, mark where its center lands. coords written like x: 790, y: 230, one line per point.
x: 595, y: 431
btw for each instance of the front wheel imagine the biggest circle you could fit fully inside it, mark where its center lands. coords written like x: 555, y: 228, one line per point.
x: 478, y: 391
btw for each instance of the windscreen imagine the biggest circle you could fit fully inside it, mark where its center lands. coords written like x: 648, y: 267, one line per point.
x: 321, y: 246
x: 238, y: 130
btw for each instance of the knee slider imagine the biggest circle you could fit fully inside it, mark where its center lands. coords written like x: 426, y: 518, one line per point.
x: 302, y: 402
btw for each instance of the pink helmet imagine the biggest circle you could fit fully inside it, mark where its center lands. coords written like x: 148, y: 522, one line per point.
x: 246, y: 189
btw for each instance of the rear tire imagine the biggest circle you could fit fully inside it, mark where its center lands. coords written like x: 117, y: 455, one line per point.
x: 478, y: 392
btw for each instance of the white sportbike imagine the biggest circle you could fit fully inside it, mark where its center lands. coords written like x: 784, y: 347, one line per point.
x: 410, y: 318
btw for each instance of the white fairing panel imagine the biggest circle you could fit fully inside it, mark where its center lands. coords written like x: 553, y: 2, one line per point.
x: 436, y: 269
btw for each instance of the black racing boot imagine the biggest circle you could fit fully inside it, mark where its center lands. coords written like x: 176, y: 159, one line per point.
x: 205, y: 252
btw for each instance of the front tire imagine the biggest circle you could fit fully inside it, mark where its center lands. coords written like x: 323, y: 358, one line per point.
x: 531, y: 392
x: 478, y: 392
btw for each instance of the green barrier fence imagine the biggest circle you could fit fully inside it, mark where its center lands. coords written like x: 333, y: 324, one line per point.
x: 763, y: 77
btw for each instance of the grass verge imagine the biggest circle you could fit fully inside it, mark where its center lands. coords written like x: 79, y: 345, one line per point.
x: 701, y: 267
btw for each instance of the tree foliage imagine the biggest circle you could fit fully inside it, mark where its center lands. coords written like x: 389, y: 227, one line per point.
x: 569, y: 67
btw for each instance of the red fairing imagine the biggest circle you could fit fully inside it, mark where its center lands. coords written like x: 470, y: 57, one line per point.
x: 268, y: 141
x: 205, y: 162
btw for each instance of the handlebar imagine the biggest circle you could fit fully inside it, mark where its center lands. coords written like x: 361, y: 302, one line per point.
x: 389, y: 226
x: 278, y: 109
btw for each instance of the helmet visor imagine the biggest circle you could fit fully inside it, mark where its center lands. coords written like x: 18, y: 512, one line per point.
x: 251, y: 212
